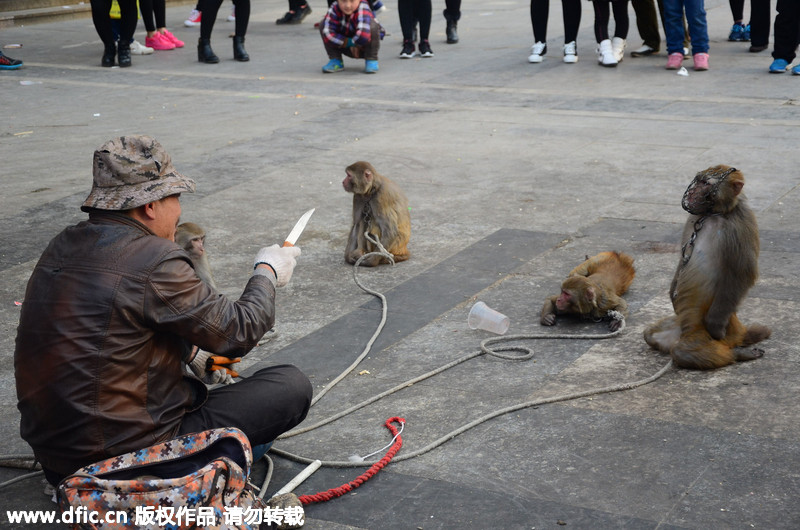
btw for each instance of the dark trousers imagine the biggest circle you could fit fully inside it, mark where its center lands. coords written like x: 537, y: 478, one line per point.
x: 411, y: 12
x: 151, y: 9
x: 540, y: 10
x: 452, y: 10
x: 210, y: 8
x: 787, y: 29
x: 263, y: 405
x: 102, y: 22
x: 368, y: 52
x: 759, y: 22
x: 602, y: 15
x: 647, y: 23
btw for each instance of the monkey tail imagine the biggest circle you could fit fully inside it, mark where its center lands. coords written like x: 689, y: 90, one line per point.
x: 699, y: 351
x: 755, y: 334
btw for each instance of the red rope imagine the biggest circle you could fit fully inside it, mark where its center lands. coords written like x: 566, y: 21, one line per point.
x: 368, y: 474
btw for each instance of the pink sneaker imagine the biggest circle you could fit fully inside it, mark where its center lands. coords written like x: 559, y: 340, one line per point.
x: 701, y: 61
x: 172, y: 38
x: 159, y: 42
x: 674, y: 61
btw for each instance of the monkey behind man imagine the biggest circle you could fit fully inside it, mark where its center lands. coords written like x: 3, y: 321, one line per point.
x: 718, y: 265
x: 379, y: 207
x: 192, y: 238
x: 592, y: 289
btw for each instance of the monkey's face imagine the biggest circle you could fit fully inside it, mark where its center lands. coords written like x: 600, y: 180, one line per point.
x: 358, y: 182
x: 577, y: 296
x: 347, y: 183
x: 701, y: 195
x: 198, y: 246
x: 564, y: 301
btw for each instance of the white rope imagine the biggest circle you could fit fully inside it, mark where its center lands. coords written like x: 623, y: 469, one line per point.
x: 382, y: 252
x: 524, y: 354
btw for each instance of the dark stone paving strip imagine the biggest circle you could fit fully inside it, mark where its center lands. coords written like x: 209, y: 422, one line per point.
x: 416, y: 302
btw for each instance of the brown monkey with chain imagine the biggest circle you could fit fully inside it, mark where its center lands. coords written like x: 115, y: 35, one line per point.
x: 380, y: 208
x: 718, y: 265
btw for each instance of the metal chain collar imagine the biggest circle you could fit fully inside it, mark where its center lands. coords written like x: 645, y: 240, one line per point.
x: 688, y: 248
x: 367, y: 215
x: 713, y: 180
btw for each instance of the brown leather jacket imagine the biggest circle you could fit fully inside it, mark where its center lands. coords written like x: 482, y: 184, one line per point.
x: 109, y: 315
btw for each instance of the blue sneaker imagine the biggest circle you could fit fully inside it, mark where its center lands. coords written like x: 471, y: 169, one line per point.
x: 377, y: 7
x: 334, y: 65
x: 370, y: 67
x: 778, y: 66
x: 737, y: 32
x: 746, y: 34
x: 796, y: 69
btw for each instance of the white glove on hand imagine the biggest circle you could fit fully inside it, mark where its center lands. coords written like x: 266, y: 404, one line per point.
x: 198, y: 367
x: 281, y: 259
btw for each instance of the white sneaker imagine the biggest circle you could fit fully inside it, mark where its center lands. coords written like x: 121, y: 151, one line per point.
x: 232, y: 16
x: 140, y: 49
x: 644, y: 51
x: 618, y: 48
x: 605, y: 54
x: 571, y: 52
x: 537, y: 50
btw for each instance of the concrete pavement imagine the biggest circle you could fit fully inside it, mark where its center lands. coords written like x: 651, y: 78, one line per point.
x: 514, y: 173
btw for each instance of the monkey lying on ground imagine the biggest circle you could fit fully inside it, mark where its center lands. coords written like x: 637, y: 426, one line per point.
x: 592, y: 289
x: 380, y: 208
x: 192, y: 238
x: 718, y: 265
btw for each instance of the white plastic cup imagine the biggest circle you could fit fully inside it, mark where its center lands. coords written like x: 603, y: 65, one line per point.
x: 481, y: 316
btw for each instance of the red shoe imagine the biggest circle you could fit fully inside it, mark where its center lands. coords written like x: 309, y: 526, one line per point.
x: 194, y: 19
x: 172, y: 38
x: 159, y: 42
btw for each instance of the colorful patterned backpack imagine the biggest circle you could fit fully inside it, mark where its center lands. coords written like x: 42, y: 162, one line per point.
x: 197, y: 480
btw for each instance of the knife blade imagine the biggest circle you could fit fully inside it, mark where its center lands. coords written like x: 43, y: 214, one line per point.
x: 291, y: 239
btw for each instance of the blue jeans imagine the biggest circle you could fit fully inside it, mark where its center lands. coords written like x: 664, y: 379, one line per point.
x: 696, y: 20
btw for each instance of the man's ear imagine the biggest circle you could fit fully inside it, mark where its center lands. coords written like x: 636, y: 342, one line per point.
x: 149, y: 210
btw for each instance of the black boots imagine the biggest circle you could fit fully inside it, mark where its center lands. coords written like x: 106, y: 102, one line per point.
x: 109, y: 55
x: 204, y: 52
x: 121, y: 51
x: 452, y: 36
x: 239, y: 52
x: 452, y: 25
x: 124, y: 54
x: 206, y: 55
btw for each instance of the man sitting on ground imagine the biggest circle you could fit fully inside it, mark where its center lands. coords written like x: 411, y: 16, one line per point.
x: 111, y: 317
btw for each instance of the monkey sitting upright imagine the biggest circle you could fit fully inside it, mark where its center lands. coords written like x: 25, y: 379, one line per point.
x: 718, y: 265
x: 380, y: 208
x: 592, y: 289
x: 192, y: 238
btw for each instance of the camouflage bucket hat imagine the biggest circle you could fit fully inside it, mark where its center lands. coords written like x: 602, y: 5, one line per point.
x: 130, y: 171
